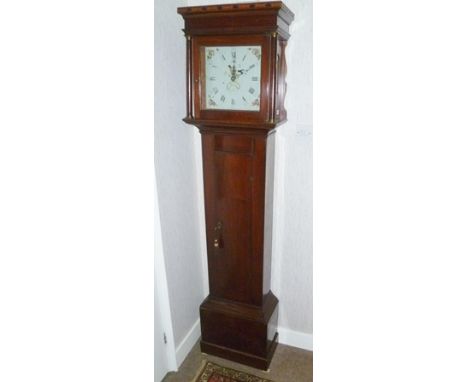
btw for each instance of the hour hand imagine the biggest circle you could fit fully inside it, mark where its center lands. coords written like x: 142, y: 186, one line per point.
x: 241, y: 71
x: 233, y: 72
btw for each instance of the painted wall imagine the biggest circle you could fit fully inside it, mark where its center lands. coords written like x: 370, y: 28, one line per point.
x: 293, y: 254
x: 164, y: 347
x: 161, y: 364
x: 292, y: 246
x: 176, y: 173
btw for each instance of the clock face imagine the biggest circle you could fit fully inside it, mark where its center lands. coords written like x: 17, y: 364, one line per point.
x: 232, y: 77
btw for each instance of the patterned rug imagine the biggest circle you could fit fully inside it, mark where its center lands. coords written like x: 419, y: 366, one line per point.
x: 215, y: 373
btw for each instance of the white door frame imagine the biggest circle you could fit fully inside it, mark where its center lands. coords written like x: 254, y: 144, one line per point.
x: 162, y: 306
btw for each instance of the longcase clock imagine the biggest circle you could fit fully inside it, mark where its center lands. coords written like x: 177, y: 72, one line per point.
x: 236, y: 86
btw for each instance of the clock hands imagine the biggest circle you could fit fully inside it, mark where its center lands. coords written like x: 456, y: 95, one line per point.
x: 234, y: 74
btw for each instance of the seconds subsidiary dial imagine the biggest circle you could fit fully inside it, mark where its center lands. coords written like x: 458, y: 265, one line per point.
x: 232, y: 77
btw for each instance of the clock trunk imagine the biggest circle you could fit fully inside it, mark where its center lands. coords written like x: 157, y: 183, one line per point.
x: 239, y: 316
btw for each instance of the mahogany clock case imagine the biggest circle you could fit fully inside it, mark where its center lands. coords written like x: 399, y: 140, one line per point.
x: 239, y: 317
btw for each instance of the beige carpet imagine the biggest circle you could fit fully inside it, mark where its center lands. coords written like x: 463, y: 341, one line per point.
x: 289, y: 364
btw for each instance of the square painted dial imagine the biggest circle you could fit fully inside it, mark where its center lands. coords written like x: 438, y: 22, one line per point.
x: 232, y: 77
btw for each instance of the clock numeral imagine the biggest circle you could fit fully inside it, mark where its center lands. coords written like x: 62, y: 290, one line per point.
x: 251, y: 66
x: 224, y: 58
x: 223, y: 98
x: 244, y: 99
x: 233, y: 102
x: 251, y: 90
x: 212, y: 78
x: 233, y: 54
x: 244, y: 57
x: 215, y: 90
x: 254, y: 78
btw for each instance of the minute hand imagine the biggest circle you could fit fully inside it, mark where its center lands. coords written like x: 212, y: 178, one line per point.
x: 243, y: 71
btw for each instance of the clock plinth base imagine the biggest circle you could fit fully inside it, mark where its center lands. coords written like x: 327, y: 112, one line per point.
x: 239, y: 332
x: 240, y: 357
